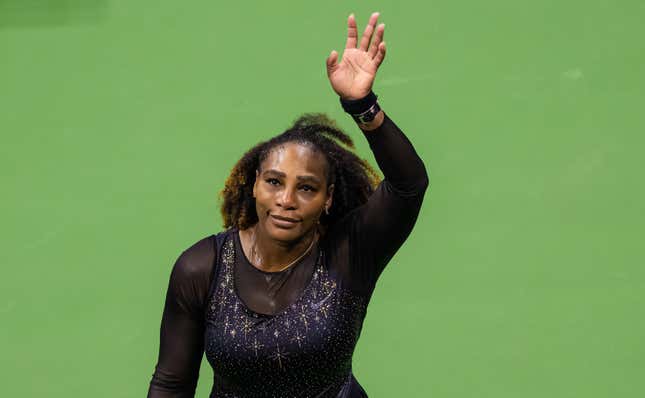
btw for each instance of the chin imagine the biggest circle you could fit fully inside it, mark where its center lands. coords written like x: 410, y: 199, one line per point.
x: 282, y: 234
x: 285, y: 235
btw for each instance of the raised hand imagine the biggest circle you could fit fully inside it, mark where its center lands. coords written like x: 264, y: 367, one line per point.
x: 353, y: 76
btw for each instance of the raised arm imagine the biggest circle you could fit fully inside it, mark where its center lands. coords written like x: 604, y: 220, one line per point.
x: 381, y: 226
x: 352, y: 78
x: 386, y: 220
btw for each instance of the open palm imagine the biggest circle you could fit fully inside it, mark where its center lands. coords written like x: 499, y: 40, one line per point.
x: 353, y: 76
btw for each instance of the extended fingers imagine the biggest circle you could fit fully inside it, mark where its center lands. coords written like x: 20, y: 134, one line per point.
x: 378, y: 38
x: 380, y: 54
x: 369, y: 30
x: 352, y: 32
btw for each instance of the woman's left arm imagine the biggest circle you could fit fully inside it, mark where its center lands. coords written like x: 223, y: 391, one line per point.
x: 385, y: 221
x: 352, y: 79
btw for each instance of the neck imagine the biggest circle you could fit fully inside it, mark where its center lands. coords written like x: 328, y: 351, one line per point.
x: 271, y: 255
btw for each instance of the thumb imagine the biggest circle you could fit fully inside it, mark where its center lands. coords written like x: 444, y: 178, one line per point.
x: 331, y: 61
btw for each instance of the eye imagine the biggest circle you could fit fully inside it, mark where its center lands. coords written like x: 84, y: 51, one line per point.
x: 308, y: 188
x: 272, y: 181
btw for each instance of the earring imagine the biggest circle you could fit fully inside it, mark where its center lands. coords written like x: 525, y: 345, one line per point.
x: 326, y: 210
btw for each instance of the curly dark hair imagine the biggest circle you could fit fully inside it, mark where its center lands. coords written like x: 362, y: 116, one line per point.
x: 353, y: 178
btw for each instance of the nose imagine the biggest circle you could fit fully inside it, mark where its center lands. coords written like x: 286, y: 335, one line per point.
x: 287, y: 199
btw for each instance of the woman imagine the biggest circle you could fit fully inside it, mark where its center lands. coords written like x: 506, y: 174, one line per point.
x: 277, y: 300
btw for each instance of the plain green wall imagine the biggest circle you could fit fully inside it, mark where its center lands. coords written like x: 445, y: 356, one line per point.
x: 119, y: 121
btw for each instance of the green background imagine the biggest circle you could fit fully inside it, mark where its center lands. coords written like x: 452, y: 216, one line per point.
x: 120, y: 120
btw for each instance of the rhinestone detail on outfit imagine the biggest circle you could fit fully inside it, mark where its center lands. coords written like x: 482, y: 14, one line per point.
x: 303, y: 351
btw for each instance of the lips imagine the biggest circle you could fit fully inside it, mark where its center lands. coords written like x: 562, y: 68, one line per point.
x: 285, y: 219
x: 283, y: 222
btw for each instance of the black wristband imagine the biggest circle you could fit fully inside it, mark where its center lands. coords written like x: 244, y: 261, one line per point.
x: 359, y: 106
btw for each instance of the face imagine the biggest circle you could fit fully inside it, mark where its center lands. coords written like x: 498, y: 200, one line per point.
x: 291, y: 192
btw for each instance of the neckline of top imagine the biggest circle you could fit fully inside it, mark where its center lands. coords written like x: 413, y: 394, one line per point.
x: 314, y: 251
x: 301, y: 296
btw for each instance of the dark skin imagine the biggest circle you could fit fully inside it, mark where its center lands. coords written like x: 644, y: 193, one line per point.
x: 291, y: 192
x: 291, y: 189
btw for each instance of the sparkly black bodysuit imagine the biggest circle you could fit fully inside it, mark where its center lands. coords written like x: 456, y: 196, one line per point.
x: 289, y: 333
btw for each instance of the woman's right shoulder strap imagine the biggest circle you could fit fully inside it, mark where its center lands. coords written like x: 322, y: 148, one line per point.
x: 218, y: 244
x: 219, y: 241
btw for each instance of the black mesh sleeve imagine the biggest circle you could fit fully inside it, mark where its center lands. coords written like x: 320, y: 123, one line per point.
x: 182, y: 325
x: 379, y: 228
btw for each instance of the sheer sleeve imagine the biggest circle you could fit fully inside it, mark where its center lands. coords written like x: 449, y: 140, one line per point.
x: 182, y: 325
x: 378, y: 228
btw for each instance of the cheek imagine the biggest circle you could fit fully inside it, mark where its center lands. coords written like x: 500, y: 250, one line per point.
x: 313, y: 208
x: 259, y: 198
x: 263, y: 201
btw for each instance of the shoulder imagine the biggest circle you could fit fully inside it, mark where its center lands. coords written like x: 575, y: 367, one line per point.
x: 190, y: 278
x: 196, y: 262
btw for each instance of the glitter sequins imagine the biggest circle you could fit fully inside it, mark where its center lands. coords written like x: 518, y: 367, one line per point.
x: 305, y: 350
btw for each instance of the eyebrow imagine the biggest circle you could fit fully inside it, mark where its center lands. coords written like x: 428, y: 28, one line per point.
x: 307, y: 178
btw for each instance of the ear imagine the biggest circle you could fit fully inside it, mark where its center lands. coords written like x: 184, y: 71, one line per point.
x: 330, y: 196
x: 255, y: 183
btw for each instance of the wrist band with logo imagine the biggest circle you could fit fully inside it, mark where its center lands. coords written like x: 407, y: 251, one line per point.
x: 363, y: 110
